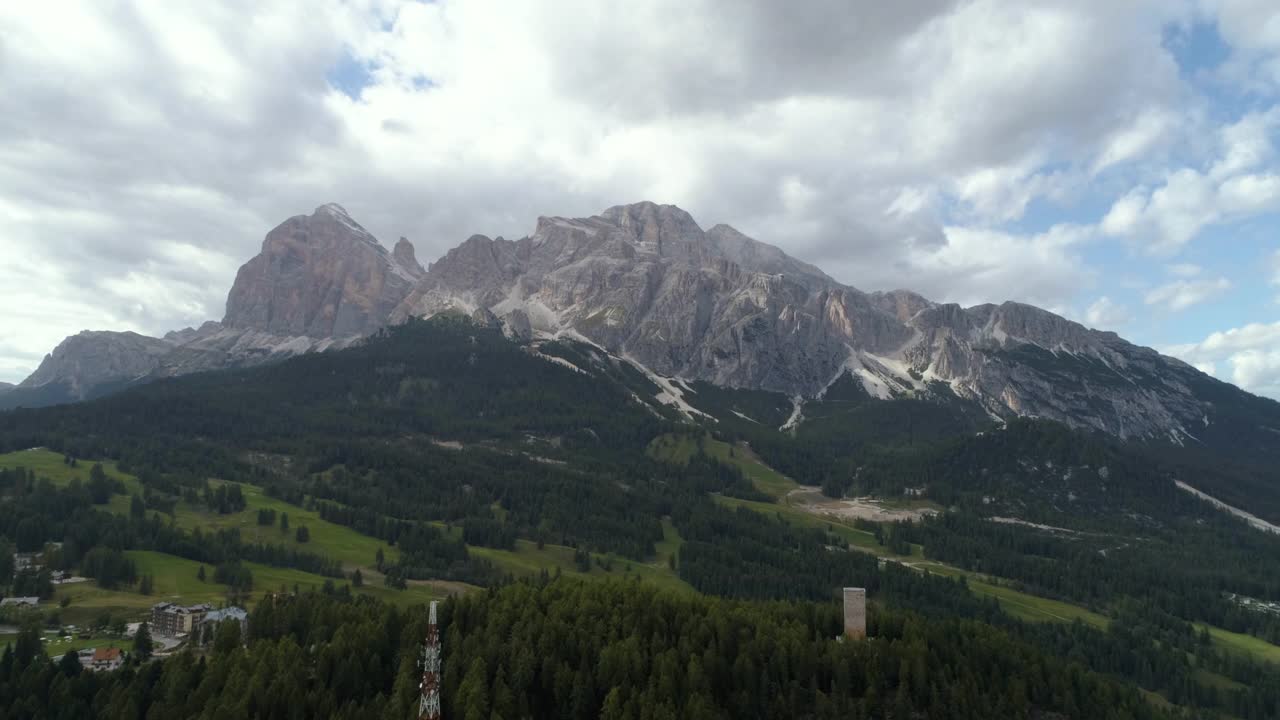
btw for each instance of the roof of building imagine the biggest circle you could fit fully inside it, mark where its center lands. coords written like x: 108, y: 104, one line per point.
x: 181, y: 609
x: 107, y: 654
x: 231, y: 613
x: 20, y: 601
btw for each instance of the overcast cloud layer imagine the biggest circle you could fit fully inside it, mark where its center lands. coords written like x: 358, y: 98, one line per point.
x: 1112, y: 161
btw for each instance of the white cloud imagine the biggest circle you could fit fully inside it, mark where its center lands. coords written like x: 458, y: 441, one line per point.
x: 1106, y: 314
x: 146, y: 149
x: 1252, y: 29
x: 1151, y: 129
x: 1183, y: 270
x: 1165, y: 219
x: 1182, y: 294
x: 1042, y: 269
x: 1252, y: 353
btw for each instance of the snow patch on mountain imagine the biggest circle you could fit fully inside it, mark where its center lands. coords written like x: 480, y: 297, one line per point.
x: 1248, y: 517
x: 670, y: 393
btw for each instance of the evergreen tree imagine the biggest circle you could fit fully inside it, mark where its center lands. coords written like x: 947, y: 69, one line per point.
x: 69, y: 665
x: 142, y: 645
x: 227, y: 637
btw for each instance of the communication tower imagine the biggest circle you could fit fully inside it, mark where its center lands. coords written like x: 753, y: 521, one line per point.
x: 429, y: 706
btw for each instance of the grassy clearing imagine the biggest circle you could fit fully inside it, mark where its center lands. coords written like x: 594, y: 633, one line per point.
x: 55, y: 646
x: 1247, y: 644
x: 1019, y: 604
x: 670, y: 544
x: 176, y: 581
x: 175, y: 578
x: 49, y: 464
x: 857, y: 539
x: 528, y: 560
x: 1212, y: 679
x: 341, y: 543
x: 680, y: 448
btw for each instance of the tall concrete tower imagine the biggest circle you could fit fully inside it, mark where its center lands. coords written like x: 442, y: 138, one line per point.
x: 429, y: 705
x: 855, y: 613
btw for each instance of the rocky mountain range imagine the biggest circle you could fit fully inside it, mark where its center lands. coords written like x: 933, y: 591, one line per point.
x: 647, y: 284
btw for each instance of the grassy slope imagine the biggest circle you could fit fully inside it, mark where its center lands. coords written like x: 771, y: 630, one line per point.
x: 1247, y: 644
x: 527, y: 559
x: 55, y: 646
x: 175, y: 580
x: 354, y: 549
x: 1019, y: 604
x: 859, y: 539
x: 351, y: 548
x: 336, y: 541
x: 679, y: 448
x: 339, y: 542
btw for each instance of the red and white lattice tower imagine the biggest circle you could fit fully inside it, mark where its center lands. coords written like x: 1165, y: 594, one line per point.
x: 429, y: 706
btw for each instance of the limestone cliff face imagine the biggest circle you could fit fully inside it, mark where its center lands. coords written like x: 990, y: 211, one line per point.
x: 646, y: 283
x: 320, y: 282
x: 320, y: 275
x: 90, y: 359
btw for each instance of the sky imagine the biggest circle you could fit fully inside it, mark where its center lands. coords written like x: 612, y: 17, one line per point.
x: 1115, y: 162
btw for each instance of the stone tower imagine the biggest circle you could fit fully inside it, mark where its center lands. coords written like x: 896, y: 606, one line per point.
x: 855, y: 613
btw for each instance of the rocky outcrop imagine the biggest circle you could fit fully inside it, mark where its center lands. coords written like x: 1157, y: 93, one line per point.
x: 320, y: 276
x: 405, y: 257
x: 95, y: 358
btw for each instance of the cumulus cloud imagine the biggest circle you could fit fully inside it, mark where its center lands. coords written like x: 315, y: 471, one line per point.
x: 1237, y: 184
x: 1182, y: 294
x: 1251, y: 352
x: 146, y: 148
x: 1105, y: 313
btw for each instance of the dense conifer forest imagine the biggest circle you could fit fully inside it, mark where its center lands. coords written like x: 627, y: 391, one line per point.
x: 569, y: 649
x: 442, y: 439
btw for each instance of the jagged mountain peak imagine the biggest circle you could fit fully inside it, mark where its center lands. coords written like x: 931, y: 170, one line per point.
x: 320, y: 275
x: 407, y: 258
x: 649, y: 220
x: 647, y: 284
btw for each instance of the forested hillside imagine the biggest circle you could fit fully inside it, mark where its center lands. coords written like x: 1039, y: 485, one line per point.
x: 565, y: 649
x: 452, y: 458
